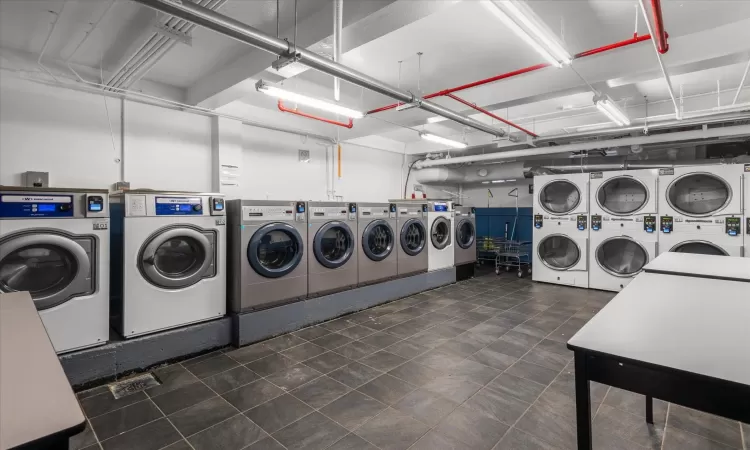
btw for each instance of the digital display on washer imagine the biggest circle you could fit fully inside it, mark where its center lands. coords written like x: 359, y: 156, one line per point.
x: 733, y: 226
x: 667, y: 224
x: 649, y: 224
x: 582, y: 221
x: 178, y: 206
x: 596, y: 223
x: 538, y: 221
x: 440, y: 207
x: 36, y: 205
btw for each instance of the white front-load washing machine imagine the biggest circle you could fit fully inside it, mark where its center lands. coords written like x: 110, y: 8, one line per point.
x: 701, y: 209
x: 624, y: 235
x: 440, y: 254
x: 168, y: 260
x: 54, y: 243
x: 560, y: 235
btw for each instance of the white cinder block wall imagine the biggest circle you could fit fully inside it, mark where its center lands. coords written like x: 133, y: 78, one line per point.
x: 478, y: 197
x: 67, y: 134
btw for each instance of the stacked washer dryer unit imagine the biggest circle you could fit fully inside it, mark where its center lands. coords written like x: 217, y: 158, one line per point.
x: 267, y: 244
x: 624, y: 232
x: 465, y: 247
x: 332, y: 259
x: 168, y: 260
x: 560, y: 235
x: 377, y: 259
x: 701, y: 209
x: 440, y: 225
x: 54, y: 243
x: 412, y: 237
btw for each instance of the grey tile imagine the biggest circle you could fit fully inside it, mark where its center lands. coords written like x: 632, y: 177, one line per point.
x: 707, y: 425
x: 270, y: 364
x: 231, y: 434
x: 183, y: 397
x: 283, y: 342
x: 311, y: 333
x: 106, y: 402
x: 502, y: 407
x: 151, y: 436
x: 338, y: 324
x: 463, y: 345
x: 352, y: 442
x: 415, y: 373
x: 320, y: 391
x: 93, y: 391
x: 439, y: 359
x: 385, y: 321
x: 332, y: 341
x: 547, y: 359
x: 83, y: 439
x: 558, y: 431
x: 392, y: 430
x: 427, y: 339
x: 555, y: 347
x: 352, y: 410
x: 635, y: 404
x: 559, y: 403
x: 231, y: 379
x: 327, y: 362
x: 293, y: 377
x: 303, y: 351
x: 493, y: 358
x: 746, y: 433
x: 436, y: 441
x: 252, y: 395
x: 201, y: 416
x: 356, y: 350
x: 380, y: 340
x: 453, y: 389
x: 509, y: 345
x: 312, y: 432
x: 676, y: 439
x: 532, y: 372
x: 516, y: 439
x: 355, y: 374
x: 278, y: 413
x: 383, y: 361
x: 386, y: 389
x: 250, y: 353
x: 268, y: 443
x: 446, y: 331
x: 605, y: 441
x: 406, y: 349
x: 357, y: 332
x: 406, y: 329
x: 212, y: 366
x: 195, y: 360
x: 473, y: 371
x: 171, y: 377
x: 526, y: 339
x: 179, y: 445
x: 425, y: 406
x: 473, y: 428
x: 628, y: 426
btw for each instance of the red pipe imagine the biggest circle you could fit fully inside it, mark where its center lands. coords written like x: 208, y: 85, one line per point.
x: 310, y: 116
x: 595, y: 51
x: 482, y: 110
x: 661, y: 34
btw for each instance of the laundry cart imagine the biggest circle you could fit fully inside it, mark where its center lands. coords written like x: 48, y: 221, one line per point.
x: 514, y: 255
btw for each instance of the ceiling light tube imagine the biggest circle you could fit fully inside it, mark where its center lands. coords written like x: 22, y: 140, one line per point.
x: 610, y: 109
x: 307, y: 101
x: 607, y: 113
x: 442, y: 140
x: 497, y: 11
x: 436, y: 119
x: 551, y: 45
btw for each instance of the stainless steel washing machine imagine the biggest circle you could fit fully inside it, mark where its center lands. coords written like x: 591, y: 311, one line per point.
x: 466, y: 242
x: 332, y: 259
x: 412, y: 235
x: 378, y: 259
x: 266, y: 249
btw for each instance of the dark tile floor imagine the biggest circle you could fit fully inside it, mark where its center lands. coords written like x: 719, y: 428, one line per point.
x: 481, y: 364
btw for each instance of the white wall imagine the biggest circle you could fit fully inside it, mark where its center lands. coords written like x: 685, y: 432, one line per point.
x: 477, y: 195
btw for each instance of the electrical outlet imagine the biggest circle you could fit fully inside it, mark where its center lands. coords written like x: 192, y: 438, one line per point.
x: 304, y: 156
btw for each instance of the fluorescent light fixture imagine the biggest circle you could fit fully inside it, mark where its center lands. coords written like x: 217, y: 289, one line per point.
x: 496, y: 181
x: 442, y: 140
x: 610, y: 109
x: 307, y: 101
x: 436, y: 119
x: 555, y: 54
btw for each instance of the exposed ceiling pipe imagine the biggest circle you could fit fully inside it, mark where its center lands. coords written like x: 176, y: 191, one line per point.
x: 719, y: 132
x: 338, y: 24
x: 658, y: 55
x: 628, y: 164
x: 659, y: 32
x: 470, y: 174
x: 244, y: 33
x: 742, y: 83
x: 494, y: 116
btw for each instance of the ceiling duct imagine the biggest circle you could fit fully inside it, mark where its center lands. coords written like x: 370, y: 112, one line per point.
x: 471, y: 174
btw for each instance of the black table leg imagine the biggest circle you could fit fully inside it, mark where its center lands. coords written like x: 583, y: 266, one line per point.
x: 649, y: 409
x: 583, y: 402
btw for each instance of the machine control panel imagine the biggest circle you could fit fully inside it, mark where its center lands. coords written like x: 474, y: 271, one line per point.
x: 538, y: 221
x: 667, y: 224
x: 649, y: 224
x: 733, y: 226
x: 747, y: 226
x: 596, y: 223
x: 95, y: 203
x: 317, y: 213
x: 178, y: 206
x: 40, y: 205
x: 582, y: 222
x: 352, y: 211
x: 217, y: 206
x: 424, y: 208
x: 410, y: 212
x: 441, y: 207
x: 274, y: 212
x: 392, y: 210
x: 376, y: 212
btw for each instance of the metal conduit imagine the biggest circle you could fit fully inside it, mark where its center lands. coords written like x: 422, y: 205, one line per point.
x: 244, y: 33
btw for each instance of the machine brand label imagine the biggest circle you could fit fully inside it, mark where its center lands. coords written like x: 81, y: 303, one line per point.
x: 180, y: 200
x: 622, y: 219
x: 595, y: 175
x: 698, y: 221
x: 103, y: 225
x: 666, y: 171
x: 27, y: 199
x: 221, y: 221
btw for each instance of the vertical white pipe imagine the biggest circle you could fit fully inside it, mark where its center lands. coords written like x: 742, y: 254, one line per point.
x: 338, y: 21
x: 677, y: 112
x: 742, y: 83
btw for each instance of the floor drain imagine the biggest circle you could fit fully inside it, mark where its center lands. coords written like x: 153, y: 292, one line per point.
x: 132, y: 385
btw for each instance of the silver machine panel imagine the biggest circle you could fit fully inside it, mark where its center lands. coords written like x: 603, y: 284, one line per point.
x: 332, y: 237
x: 378, y: 242
x: 412, y: 235
x: 465, y: 235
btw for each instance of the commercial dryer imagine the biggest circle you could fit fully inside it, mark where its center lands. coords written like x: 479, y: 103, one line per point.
x: 701, y: 209
x: 465, y: 248
x: 267, y: 244
x: 377, y: 259
x: 412, y: 237
x: 332, y: 259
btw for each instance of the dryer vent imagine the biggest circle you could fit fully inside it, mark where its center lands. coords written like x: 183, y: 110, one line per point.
x: 132, y: 385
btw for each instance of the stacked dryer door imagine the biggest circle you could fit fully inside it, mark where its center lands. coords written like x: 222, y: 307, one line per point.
x: 624, y: 233
x: 701, y: 209
x: 377, y: 259
x: 440, y: 224
x: 412, y: 238
x: 332, y: 237
x: 267, y: 261
x: 560, y: 235
x: 465, y: 248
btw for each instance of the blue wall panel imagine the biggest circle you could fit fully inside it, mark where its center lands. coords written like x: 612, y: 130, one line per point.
x: 492, y: 222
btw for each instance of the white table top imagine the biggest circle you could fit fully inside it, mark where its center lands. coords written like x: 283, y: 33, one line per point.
x: 706, y: 266
x: 696, y: 325
x: 37, y: 400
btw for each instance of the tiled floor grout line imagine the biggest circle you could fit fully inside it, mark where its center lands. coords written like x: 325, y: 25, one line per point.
x: 742, y: 434
x: 666, y: 421
x: 135, y: 428
x: 176, y: 429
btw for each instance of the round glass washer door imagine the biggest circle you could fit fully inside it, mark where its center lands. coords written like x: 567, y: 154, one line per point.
x: 559, y: 252
x: 622, y: 195
x: 441, y: 233
x: 333, y: 244
x: 621, y: 256
x: 377, y: 240
x: 559, y: 197
x: 275, y: 250
x: 413, y: 237
x: 699, y: 194
x: 465, y: 234
x: 699, y: 247
x: 177, y: 257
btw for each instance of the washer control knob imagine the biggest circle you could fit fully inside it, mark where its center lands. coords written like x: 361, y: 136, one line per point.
x: 197, y: 207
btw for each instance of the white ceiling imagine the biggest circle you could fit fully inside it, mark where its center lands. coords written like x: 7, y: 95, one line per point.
x: 460, y: 42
